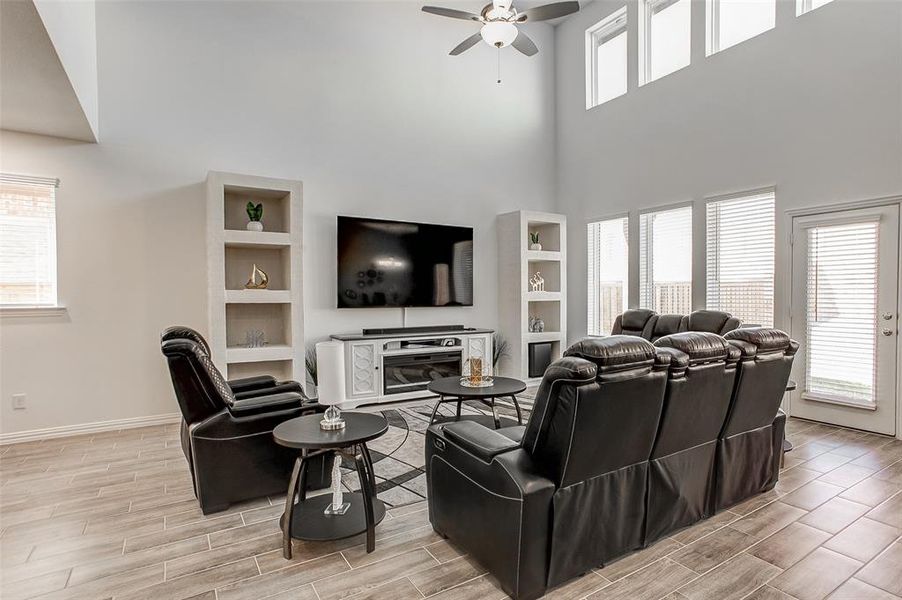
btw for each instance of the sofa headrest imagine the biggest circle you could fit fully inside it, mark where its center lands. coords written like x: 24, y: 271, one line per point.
x: 636, y: 318
x: 617, y: 353
x: 714, y: 321
x: 666, y: 325
x: 699, y: 346
x: 570, y: 368
x: 176, y: 332
x: 753, y: 341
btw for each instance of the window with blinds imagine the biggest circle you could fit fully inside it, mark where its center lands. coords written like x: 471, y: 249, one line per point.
x: 740, y: 257
x: 665, y: 260
x: 608, y: 243
x: 27, y: 241
x: 842, y: 292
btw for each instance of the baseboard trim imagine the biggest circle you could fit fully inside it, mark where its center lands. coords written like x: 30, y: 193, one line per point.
x: 83, y: 428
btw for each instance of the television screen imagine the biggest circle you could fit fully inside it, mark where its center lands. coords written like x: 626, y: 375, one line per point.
x: 394, y: 263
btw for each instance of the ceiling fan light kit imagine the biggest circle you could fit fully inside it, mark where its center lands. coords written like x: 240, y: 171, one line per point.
x: 499, y: 23
x: 499, y: 33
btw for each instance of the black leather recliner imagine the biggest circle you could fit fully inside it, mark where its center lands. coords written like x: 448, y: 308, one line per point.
x: 681, y: 468
x: 569, y: 496
x: 635, y: 321
x: 227, y: 426
x: 750, y: 444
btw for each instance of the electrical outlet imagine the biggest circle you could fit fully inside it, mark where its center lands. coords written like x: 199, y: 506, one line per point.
x: 18, y: 401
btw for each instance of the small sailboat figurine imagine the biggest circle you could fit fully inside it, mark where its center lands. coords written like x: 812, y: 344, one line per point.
x: 253, y: 284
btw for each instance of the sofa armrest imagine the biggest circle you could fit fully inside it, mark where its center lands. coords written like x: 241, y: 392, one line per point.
x: 265, y: 404
x: 479, y: 440
x: 249, y: 384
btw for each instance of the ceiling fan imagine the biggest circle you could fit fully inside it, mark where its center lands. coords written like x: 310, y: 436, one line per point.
x: 499, y: 23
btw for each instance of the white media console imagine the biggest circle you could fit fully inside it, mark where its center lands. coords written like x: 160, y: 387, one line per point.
x: 391, y: 365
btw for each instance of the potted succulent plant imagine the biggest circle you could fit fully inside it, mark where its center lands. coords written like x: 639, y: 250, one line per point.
x: 254, y: 213
x: 534, y: 241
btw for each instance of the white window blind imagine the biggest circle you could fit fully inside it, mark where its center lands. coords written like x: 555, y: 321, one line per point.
x: 27, y: 241
x: 803, y: 6
x: 665, y: 260
x: 740, y: 257
x: 608, y: 273
x: 841, y: 353
x: 606, y: 59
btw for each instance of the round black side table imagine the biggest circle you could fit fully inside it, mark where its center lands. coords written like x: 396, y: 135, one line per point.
x: 787, y: 445
x: 449, y: 389
x: 305, y: 519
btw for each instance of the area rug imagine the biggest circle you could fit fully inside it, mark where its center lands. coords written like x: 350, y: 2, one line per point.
x: 399, y: 456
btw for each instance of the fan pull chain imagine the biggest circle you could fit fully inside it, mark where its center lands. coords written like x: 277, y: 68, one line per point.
x: 499, y: 65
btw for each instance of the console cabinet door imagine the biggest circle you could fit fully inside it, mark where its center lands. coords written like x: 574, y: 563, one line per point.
x: 362, y: 364
x: 480, y: 346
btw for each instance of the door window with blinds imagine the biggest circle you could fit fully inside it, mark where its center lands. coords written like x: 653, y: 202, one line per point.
x: 665, y: 260
x: 608, y: 243
x: 27, y: 241
x: 841, y: 298
x: 740, y: 257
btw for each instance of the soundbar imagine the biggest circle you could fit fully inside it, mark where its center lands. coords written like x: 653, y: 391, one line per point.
x: 415, y: 330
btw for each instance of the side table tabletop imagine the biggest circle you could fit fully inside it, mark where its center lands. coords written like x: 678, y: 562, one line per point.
x: 450, y: 389
x: 306, y: 519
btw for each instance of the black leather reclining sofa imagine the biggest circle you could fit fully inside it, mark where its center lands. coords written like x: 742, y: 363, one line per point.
x: 627, y: 441
x: 651, y: 326
x: 227, y: 426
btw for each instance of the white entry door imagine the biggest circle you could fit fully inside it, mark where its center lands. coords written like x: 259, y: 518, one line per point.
x: 845, y: 294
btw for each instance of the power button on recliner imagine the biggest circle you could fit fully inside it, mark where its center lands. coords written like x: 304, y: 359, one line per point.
x: 439, y: 443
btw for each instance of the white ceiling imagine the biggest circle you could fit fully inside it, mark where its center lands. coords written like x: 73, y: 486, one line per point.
x: 36, y: 95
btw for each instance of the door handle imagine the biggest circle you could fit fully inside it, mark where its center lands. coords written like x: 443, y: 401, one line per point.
x: 887, y: 331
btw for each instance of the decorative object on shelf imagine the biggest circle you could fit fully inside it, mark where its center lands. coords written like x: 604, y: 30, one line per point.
x: 253, y: 283
x: 500, y: 349
x: 534, y: 241
x: 331, y: 385
x: 254, y: 213
x: 537, y: 282
x: 536, y: 325
x: 255, y: 338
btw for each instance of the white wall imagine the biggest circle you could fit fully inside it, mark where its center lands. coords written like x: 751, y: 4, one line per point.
x: 813, y: 107
x: 358, y: 100
x: 72, y: 28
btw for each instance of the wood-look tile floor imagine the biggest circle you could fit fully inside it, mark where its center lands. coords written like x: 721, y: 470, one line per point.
x: 112, y: 515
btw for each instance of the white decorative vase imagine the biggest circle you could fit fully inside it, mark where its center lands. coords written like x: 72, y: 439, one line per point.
x: 535, y: 246
x: 254, y: 226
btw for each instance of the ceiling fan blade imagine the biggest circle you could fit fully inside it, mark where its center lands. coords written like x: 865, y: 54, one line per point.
x: 524, y: 44
x: 548, y: 11
x: 466, y: 44
x: 450, y: 12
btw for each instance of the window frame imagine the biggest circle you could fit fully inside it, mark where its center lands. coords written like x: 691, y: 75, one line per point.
x: 712, y: 27
x: 692, y: 248
x: 647, y: 10
x: 804, y: 7
x: 749, y: 194
x: 597, y: 35
x: 627, y: 282
x: 52, y: 308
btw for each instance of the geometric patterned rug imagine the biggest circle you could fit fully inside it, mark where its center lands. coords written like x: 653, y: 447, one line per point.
x: 399, y: 455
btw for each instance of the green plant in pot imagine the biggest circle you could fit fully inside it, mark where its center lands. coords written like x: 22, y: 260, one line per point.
x: 255, y: 214
x: 534, y: 241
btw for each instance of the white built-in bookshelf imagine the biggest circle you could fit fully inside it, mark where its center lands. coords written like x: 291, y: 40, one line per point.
x: 232, y: 251
x: 517, y: 302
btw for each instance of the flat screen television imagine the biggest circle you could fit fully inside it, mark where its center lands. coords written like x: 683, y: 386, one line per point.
x: 397, y: 264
